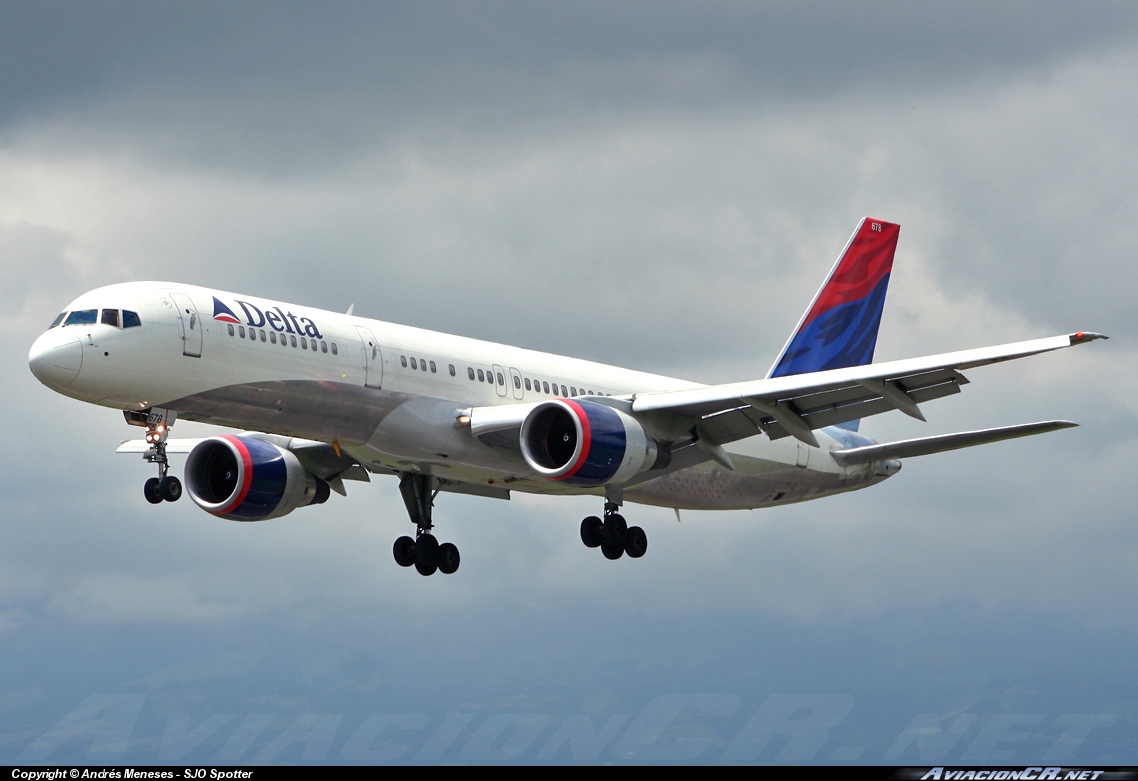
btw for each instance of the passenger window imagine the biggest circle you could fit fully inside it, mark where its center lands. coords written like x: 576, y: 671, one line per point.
x: 323, y: 347
x: 110, y: 317
x: 292, y: 340
x: 501, y: 379
x: 481, y: 377
x: 312, y: 344
x: 272, y: 336
x: 241, y: 331
x: 432, y: 367
x: 262, y: 336
x: 545, y: 387
x: 130, y: 319
x: 572, y: 391
x: 470, y: 372
x: 253, y: 334
x: 517, y: 381
x: 422, y: 365
x: 335, y: 351
x: 413, y: 364
x: 403, y: 361
x: 82, y: 317
x: 563, y: 391
x: 527, y: 383
x: 451, y: 369
x: 230, y: 327
x: 303, y: 343
x: 57, y: 320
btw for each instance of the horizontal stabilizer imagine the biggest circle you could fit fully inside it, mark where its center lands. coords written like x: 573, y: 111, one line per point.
x: 926, y: 445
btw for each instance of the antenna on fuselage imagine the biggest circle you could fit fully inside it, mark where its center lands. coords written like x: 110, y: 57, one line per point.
x: 350, y: 308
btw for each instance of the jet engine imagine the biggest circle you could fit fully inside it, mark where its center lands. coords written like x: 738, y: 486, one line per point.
x: 246, y: 479
x: 586, y: 443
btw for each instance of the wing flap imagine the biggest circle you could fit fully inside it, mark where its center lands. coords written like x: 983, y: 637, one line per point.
x: 924, y: 446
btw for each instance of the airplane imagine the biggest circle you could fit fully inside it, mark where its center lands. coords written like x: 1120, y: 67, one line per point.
x: 320, y: 398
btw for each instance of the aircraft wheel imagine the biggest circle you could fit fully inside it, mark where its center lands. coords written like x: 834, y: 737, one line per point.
x: 424, y: 568
x: 613, y: 552
x: 448, y: 558
x: 636, y: 544
x: 427, y: 552
x: 404, y: 551
x: 615, y: 530
x: 170, y: 488
x: 152, y: 491
x: 591, y: 531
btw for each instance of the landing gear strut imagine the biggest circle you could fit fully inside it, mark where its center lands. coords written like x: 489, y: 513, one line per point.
x: 424, y: 552
x: 613, y: 535
x: 165, y: 487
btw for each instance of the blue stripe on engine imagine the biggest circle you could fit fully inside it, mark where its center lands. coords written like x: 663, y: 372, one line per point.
x: 270, y: 479
x: 606, y: 447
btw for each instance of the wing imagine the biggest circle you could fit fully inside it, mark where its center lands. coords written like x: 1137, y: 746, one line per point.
x: 796, y: 405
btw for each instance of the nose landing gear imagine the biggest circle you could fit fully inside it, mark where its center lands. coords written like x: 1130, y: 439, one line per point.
x: 165, y: 487
x: 424, y: 552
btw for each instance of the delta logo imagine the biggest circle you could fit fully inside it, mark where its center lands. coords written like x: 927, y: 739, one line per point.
x: 282, y: 322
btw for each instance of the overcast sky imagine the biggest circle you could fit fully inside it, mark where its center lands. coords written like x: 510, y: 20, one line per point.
x: 657, y: 185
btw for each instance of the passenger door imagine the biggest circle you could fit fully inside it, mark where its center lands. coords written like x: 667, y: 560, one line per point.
x: 191, y: 325
x: 373, y: 358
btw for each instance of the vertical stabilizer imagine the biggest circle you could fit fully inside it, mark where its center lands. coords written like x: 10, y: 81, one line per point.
x: 839, y: 328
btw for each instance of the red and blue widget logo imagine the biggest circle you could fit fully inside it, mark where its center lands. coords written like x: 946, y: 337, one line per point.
x: 223, y: 313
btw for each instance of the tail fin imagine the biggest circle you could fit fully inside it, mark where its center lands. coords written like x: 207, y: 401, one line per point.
x: 839, y: 328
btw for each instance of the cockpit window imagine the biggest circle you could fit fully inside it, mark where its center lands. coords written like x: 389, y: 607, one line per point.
x: 110, y: 317
x: 57, y: 320
x: 130, y: 319
x: 82, y: 317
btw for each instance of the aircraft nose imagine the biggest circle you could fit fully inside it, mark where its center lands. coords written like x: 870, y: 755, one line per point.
x: 56, y: 357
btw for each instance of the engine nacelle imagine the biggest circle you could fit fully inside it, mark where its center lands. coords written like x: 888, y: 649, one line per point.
x: 246, y: 479
x: 586, y: 443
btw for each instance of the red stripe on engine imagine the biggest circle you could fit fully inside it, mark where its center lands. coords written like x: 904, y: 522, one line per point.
x: 586, y: 438
x: 247, y: 478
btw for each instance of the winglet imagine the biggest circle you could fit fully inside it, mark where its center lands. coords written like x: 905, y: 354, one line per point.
x: 1086, y: 336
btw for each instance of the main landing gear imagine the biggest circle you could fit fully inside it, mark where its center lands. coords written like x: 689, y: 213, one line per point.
x: 613, y: 535
x: 165, y: 487
x: 424, y: 552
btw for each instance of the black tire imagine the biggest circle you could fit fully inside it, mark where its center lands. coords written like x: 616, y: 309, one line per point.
x: 591, y: 531
x: 425, y: 569
x: 636, y: 543
x: 448, y: 558
x: 170, y: 488
x: 404, y: 551
x: 427, y: 551
x: 151, y: 490
x: 613, y: 552
x: 615, y: 530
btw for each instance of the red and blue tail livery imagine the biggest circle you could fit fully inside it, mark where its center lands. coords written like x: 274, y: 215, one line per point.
x: 839, y: 329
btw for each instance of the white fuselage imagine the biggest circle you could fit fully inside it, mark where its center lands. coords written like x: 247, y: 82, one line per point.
x: 387, y: 394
